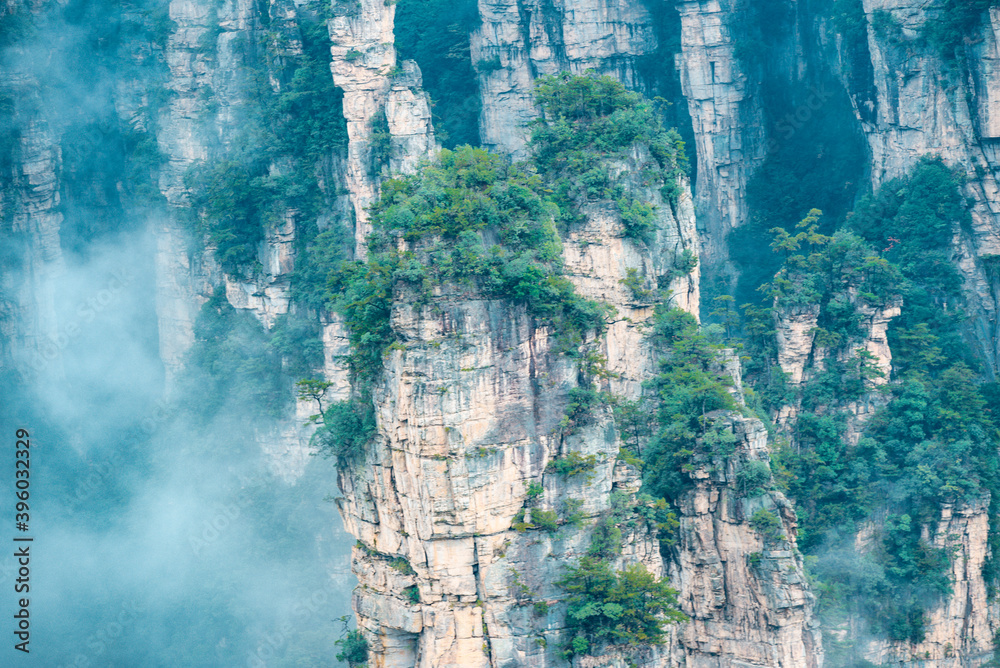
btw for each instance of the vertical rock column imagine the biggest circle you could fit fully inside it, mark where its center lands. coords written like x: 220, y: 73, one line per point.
x: 211, y: 55
x: 30, y: 202
x: 746, y: 592
x: 728, y: 120
x: 518, y: 42
x: 926, y: 106
x: 960, y: 631
x: 179, y: 282
x: 30, y: 216
x: 388, y: 114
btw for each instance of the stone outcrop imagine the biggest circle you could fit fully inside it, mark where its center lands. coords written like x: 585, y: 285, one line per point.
x: 517, y: 42
x: 924, y: 105
x: 745, y: 591
x: 800, y: 356
x: 30, y: 214
x: 388, y: 114
x: 181, y: 279
x: 727, y: 116
x: 607, y: 266
x: 795, y: 331
x: 961, y: 630
x: 210, y: 55
x: 31, y: 223
x: 470, y: 409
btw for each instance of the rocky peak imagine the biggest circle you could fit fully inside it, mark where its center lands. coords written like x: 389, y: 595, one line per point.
x: 388, y: 114
x: 518, y: 42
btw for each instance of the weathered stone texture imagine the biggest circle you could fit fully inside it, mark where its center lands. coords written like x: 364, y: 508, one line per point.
x: 518, y: 42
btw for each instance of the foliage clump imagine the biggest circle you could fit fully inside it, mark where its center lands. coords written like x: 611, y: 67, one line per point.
x: 273, y: 165
x: 353, y: 649
x: 347, y: 427
x: 767, y: 524
x: 589, y: 119
x: 573, y: 464
x: 955, y: 21
x: 693, y: 397
x: 831, y: 271
x: 630, y: 607
x: 233, y: 362
x: 470, y: 217
x: 934, y: 439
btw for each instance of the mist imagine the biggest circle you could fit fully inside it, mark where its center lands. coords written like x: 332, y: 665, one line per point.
x: 165, y: 531
x: 160, y: 538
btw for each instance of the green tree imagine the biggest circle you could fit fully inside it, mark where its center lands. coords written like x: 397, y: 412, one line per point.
x: 630, y: 607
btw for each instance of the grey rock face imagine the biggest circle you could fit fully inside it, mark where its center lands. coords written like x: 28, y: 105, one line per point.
x: 924, y: 107
x: 746, y: 593
x: 727, y: 116
x: 518, y: 42
x: 470, y: 411
x: 388, y: 114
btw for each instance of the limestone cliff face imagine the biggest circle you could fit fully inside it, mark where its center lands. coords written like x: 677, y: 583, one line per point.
x: 181, y: 281
x: 600, y: 259
x: 961, y: 626
x: 388, y: 114
x: 746, y: 593
x: 800, y: 356
x: 923, y: 105
x: 722, y: 94
x: 518, y: 42
x: 29, y: 209
x: 211, y: 53
x: 470, y: 410
x: 961, y: 630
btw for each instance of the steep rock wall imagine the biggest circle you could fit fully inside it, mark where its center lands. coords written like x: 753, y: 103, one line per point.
x: 927, y: 106
x: 31, y: 219
x: 746, y: 593
x: 961, y: 629
x: 181, y: 280
x: 470, y: 410
x: 212, y: 54
x: 722, y: 94
x: 388, y: 114
x: 517, y: 42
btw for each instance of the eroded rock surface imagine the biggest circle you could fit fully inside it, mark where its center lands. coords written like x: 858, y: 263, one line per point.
x: 518, y: 42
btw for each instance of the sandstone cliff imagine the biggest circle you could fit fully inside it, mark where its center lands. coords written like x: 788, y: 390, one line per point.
x: 471, y: 405
x: 519, y: 42
x: 723, y: 98
x: 388, y: 115
x: 962, y: 628
x: 924, y: 104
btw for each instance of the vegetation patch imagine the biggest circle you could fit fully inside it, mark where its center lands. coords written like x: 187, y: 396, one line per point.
x: 934, y: 441
x: 573, y: 464
x: 241, y: 192
x: 436, y: 33
x: 630, y: 607
x: 586, y: 122
x: 692, y: 395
